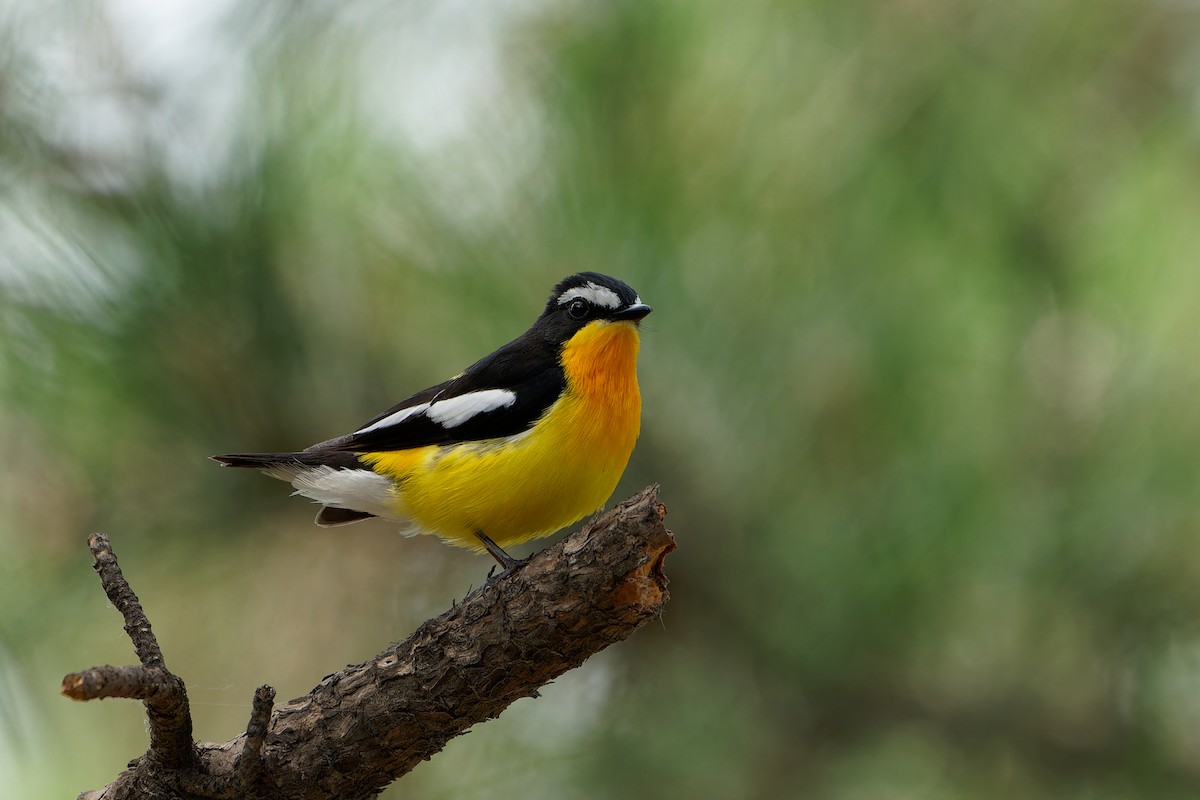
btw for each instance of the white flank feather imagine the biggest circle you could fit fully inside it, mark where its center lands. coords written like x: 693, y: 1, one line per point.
x: 359, y: 489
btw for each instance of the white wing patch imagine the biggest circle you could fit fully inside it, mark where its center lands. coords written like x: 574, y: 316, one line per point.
x: 454, y: 411
x: 451, y: 412
x: 594, y: 293
x: 395, y: 419
x: 359, y: 489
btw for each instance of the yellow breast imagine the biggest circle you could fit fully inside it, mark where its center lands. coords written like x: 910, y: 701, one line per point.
x: 532, y: 484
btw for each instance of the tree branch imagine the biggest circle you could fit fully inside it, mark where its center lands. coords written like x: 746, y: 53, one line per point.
x: 163, y: 693
x: 133, y: 683
x: 367, y: 725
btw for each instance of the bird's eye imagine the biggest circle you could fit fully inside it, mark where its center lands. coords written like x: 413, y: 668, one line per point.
x: 577, y: 308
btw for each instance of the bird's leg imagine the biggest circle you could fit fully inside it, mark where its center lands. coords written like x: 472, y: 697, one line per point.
x: 505, y: 560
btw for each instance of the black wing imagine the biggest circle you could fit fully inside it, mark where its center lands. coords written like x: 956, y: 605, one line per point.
x: 503, y: 394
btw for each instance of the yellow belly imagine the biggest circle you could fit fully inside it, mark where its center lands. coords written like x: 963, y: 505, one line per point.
x: 537, y: 482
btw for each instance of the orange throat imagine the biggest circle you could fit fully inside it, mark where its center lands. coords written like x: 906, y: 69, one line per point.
x: 600, y: 363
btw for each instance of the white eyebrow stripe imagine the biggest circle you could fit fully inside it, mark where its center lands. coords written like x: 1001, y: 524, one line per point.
x: 594, y: 293
x: 454, y: 411
x: 395, y: 419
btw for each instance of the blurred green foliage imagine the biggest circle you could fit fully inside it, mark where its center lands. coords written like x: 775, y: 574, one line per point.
x: 920, y: 388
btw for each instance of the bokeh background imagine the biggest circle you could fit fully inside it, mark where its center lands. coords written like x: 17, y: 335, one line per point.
x: 922, y: 388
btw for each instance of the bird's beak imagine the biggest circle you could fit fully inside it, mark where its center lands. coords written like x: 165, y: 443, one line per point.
x: 634, y: 313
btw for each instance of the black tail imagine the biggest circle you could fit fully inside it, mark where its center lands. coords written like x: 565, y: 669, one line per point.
x: 331, y: 517
x: 287, y: 466
x: 306, y: 459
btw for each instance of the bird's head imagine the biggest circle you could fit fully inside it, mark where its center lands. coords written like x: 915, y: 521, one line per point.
x: 588, y: 297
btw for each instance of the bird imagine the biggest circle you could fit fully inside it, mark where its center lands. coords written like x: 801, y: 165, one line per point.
x: 517, y: 446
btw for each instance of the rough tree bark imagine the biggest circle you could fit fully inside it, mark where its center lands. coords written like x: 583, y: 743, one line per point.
x: 367, y: 725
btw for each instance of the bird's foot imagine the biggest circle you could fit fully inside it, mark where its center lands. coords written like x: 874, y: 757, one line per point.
x: 506, y: 562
